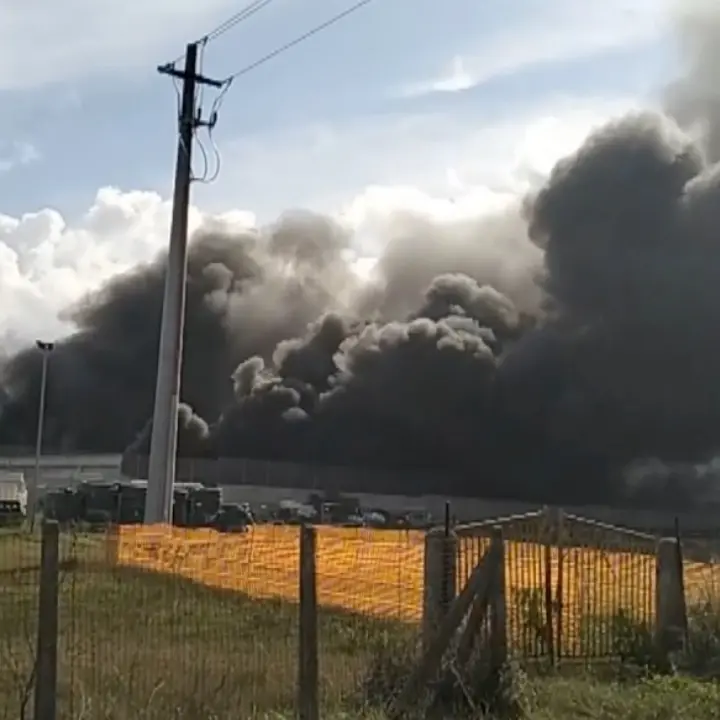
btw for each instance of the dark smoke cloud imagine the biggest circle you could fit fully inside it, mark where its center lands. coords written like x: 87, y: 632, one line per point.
x: 250, y: 295
x: 408, y: 393
x: 246, y: 293
x: 193, y: 434
x: 630, y: 258
x: 534, y: 352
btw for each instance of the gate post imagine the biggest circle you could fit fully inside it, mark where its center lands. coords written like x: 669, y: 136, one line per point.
x: 670, y: 611
x: 439, y: 579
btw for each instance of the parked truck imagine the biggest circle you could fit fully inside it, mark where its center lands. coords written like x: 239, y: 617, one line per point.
x: 102, y: 503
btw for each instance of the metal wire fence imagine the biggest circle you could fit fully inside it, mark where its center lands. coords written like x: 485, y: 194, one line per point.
x: 19, y: 583
x: 701, y: 555
x: 369, y: 586
x: 575, y: 588
x: 133, y: 643
x: 169, y: 622
x: 159, y: 623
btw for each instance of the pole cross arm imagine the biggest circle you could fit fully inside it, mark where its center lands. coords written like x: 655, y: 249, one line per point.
x: 171, y: 70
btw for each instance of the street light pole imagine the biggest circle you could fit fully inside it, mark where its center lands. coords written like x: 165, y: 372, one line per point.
x: 45, y: 348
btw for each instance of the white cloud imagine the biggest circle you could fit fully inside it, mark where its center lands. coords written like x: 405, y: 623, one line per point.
x: 365, y: 173
x: 458, y: 78
x: 45, y: 265
x: 549, y: 31
x: 42, y: 41
x: 16, y: 154
x: 323, y: 166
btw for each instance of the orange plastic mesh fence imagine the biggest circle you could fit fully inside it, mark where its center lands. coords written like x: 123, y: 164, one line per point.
x: 702, y: 582
x: 373, y: 572
x: 170, y: 642
x: 379, y: 573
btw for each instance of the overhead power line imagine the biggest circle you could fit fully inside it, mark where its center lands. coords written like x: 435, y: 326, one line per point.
x: 301, y: 38
x: 247, y: 12
x: 240, y: 16
x: 224, y: 85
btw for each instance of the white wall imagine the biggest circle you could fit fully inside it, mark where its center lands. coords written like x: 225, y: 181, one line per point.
x: 60, y: 470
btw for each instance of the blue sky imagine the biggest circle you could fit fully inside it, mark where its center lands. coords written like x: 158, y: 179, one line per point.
x: 96, y: 119
x: 438, y: 96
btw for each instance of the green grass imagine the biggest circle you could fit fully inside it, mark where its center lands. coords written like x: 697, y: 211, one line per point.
x: 653, y: 699
x: 142, y: 646
x: 557, y: 698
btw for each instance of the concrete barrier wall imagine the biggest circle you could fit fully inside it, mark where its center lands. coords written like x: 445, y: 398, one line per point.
x: 91, y: 462
x: 258, y: 481
x: 264, y: 481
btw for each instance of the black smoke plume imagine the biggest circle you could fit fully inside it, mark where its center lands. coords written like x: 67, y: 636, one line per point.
x: 534, y: 352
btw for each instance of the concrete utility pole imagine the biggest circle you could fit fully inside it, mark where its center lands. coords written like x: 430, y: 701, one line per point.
x: 163, y: 444
x: 45, y: 348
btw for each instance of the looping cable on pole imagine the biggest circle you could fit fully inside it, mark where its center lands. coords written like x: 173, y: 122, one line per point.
x: 209, y: 124
x: 224, y: 85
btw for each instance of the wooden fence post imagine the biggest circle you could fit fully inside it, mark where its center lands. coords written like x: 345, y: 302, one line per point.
x: 670, y: 612
x: 440, y: 564
x: 308, y: 674
x: 476, y: 590
x: 47, y: 633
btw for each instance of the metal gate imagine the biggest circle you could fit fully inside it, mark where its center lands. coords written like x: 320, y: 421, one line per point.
x: 575, y: 588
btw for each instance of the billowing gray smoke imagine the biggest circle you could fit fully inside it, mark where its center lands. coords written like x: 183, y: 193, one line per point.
x: 255, y: 298
x: 535, y: 352
x: 694, y: 100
